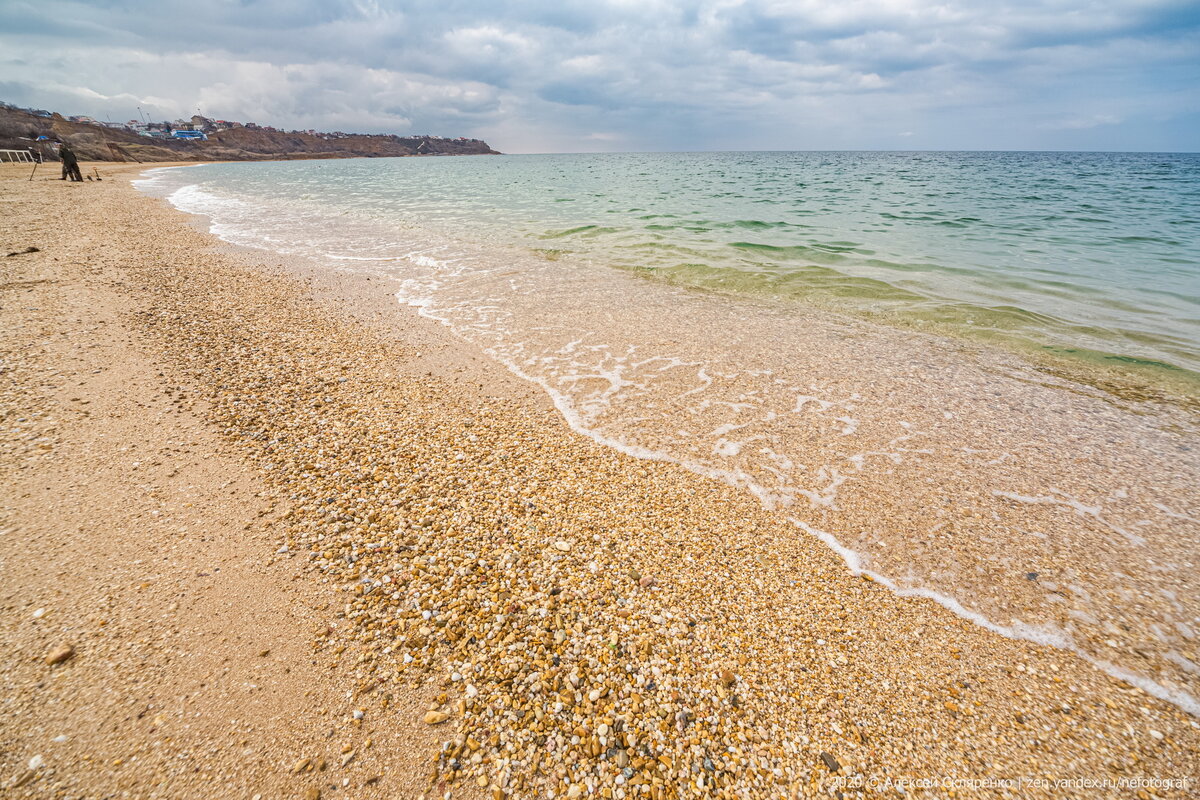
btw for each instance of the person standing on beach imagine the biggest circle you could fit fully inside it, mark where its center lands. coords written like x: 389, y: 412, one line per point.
x: 70, y: 163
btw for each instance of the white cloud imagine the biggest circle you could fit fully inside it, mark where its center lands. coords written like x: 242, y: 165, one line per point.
x: 658, y: 75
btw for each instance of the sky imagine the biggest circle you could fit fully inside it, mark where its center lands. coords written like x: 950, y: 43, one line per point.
x: 611, y: 75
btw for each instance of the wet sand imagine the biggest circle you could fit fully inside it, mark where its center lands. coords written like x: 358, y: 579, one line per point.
x: 513, y: 609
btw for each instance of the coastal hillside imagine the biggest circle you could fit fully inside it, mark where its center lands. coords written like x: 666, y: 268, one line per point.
x: 19, y: 130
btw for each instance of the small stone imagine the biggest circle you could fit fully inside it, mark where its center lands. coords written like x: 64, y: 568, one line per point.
x: 1156, y: 734
x: 59, y: 654
x: 647, y: 581
x: 37, y: 762
x: 348, y: 757
x: 562, y: 546
x: 264, y: 653
x: 574, y: 790
x: 41, y: 612
x: 357, y: 713
x: 830, y: 762
x: 300, y: 765
x: 312, y: 793
x: 481, y: 781
x: 728, y: 678
x: 436, y: 717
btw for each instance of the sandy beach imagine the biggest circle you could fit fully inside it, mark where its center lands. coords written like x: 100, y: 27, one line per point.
x: 267, y: 533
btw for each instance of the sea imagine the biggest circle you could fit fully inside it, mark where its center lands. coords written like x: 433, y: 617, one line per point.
x: 973, y: 376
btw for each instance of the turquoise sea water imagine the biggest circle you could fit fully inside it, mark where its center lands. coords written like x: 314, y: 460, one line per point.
x: 1085, y: 256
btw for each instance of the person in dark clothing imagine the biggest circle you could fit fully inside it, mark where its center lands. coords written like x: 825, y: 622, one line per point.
x: 70, y: 163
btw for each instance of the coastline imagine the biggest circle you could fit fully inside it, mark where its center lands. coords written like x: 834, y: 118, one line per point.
x: 763, y: 642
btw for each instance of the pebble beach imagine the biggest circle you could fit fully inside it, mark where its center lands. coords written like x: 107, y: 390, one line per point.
x: 288, y: 539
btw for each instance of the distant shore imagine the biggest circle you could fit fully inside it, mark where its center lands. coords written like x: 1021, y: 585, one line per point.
x: 310, y: 543
x: 20, y: 129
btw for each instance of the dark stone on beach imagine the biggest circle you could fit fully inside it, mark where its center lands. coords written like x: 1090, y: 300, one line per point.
x: 1033, y: 576
x: 830, y: 762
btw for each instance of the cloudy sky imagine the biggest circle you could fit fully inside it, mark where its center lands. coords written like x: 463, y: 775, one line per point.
x: 587, y: 75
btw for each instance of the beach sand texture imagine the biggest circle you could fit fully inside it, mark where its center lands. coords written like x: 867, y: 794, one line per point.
x: 302, y: 543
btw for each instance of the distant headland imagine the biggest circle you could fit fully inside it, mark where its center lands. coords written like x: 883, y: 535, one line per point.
x: 204, y: 139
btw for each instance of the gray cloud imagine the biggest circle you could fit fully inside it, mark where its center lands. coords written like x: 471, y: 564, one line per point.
x: 543, y: 75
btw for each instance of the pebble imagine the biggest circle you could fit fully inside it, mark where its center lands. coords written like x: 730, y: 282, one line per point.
x: 562, y: 546
x: 436, y: 717
x: 59, y: 654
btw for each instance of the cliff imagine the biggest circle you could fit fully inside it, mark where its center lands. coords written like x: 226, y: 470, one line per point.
x: 19, y: 129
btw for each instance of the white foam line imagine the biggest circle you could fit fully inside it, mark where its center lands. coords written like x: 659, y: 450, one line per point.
x: 1175, y: 514
x: 336, y: 257
x: 1029, y: 633
x: 1060, y: 498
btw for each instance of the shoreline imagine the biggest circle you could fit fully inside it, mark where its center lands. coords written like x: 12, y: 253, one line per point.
x: 909, y: 523
x: 826, y: 663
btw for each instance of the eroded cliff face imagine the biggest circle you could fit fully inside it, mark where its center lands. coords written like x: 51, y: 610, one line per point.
x: 19, y: 130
